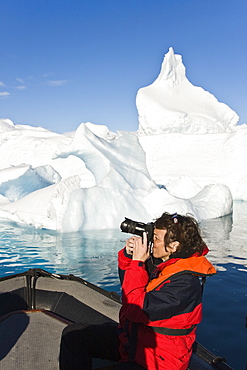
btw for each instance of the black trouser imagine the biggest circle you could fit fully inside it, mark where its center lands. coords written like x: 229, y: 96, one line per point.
x: 79, y: 344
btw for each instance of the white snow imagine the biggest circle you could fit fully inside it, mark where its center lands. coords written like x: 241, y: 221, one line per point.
x: 188, y: 156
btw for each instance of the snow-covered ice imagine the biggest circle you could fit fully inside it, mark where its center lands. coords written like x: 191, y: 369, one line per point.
x: 188, y: 156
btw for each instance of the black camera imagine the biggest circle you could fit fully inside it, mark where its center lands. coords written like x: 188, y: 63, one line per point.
x: 138, y: 228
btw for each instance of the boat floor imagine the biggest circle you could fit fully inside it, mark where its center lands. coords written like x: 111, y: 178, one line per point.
x: 33, y: 337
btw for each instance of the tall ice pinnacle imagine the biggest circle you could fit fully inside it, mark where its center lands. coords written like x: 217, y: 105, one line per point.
x: 172, y: 104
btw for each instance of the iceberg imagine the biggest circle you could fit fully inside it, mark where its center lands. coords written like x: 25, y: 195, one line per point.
x: 186, y: 156
x: 171, y: 104
x: 185, y: 130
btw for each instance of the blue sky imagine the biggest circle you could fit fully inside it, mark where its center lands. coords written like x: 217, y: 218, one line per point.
x: 63, y: 62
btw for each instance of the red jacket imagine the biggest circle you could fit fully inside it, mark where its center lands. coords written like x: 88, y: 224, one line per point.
x: 172, y: 299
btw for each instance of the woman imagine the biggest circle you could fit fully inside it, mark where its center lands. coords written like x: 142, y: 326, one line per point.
x: 161, y: 303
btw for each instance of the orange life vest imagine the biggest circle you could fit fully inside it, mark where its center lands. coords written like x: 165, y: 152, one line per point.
x: 199, y: 266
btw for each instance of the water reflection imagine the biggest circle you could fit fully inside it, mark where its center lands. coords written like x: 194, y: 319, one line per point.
x: 226, y: 237
x: 93, y: 254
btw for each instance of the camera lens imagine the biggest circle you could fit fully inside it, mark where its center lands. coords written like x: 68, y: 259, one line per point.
x: 133, y: 227
x: 138, y: 228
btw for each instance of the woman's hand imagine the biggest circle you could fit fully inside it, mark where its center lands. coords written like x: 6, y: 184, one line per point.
x: 137, y: 248
x: 129, y: 245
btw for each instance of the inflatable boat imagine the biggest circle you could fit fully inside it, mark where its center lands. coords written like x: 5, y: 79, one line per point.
x: 35, y: 306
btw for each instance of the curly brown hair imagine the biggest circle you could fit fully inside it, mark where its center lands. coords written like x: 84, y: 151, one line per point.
x: 183, y: 229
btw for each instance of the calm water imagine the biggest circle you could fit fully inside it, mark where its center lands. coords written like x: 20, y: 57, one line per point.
x: 93, y: 256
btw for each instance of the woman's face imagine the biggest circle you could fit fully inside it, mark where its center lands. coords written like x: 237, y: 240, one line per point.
x: 159, y: 250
